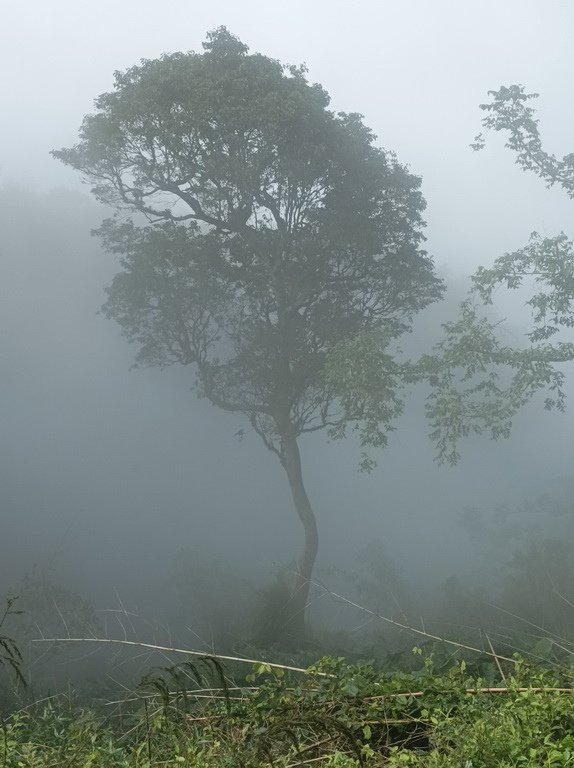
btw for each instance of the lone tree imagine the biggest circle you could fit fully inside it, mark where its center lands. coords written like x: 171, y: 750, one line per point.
x: 276, y: 230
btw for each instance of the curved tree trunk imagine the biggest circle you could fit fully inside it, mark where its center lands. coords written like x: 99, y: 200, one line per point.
x: 291, y: 461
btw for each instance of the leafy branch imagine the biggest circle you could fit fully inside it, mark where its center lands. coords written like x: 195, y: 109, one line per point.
x: 509, y: 111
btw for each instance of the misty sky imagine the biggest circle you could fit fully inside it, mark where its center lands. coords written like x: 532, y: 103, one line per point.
x: 416, y: 69
x: 95, y: 456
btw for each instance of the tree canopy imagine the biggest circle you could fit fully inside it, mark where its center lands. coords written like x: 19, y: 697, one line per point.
x: 277, y: 232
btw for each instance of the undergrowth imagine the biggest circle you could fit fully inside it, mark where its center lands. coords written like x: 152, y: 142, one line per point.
x: 337, y: 714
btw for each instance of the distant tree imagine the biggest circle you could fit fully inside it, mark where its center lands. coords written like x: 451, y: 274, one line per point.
x: 526, y: 571
x: 277, y: 232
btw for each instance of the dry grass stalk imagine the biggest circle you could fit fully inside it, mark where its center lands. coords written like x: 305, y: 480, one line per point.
x: 496, y: 659
x: 413, y: 630
x: 151, y: 646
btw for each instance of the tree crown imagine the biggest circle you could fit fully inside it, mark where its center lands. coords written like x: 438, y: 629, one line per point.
x: 276, y: 229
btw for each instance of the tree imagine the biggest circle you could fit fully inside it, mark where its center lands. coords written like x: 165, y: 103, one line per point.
x: 476, y: 383
x: 275, y: 230
x: 479, y: 384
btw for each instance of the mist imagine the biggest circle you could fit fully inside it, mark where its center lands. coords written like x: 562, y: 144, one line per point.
x: 122, y: 487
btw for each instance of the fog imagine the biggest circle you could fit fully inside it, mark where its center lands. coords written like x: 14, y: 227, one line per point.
x: 115, y: 480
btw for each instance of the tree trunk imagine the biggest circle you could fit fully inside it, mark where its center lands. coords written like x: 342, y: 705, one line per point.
x: 295, y: 615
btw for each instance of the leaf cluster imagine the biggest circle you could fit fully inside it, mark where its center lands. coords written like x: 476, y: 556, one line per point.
x: 478, y: 383
x: 509, y: 111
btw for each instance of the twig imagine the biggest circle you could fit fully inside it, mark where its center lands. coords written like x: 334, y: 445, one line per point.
x: 306, y: 762
x: 57, y: 607
x: 496, y: 659
x: 418, y: 694
x: 315, y: 745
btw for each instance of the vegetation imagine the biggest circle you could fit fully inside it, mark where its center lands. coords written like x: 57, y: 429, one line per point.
x: 436, y: 706
x: 479, y: 383
x: 441, y: 705
x: 509, y: 112
x: 337, y: 714
x: 277, y: 230
x: 283, y: 259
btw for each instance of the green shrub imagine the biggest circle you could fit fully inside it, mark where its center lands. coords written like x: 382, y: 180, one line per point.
x: 339, y: 715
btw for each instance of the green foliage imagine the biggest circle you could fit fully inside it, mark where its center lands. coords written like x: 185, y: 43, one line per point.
x: 279, y: 229
x: 369, y: 379
x: 339, y: 714
x: 548, y: 263
x: 56, y: 735
x: 478, y: 384
x: 509, y: 111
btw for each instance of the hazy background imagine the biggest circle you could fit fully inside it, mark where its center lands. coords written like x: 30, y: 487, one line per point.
x: 106, y: 474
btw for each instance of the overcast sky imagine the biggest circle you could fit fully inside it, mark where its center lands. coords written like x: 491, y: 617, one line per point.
x: 417, y: 70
